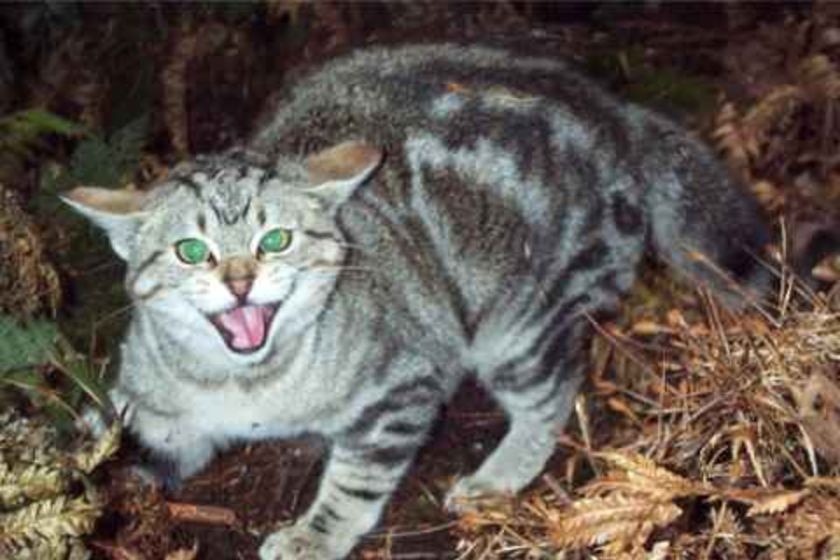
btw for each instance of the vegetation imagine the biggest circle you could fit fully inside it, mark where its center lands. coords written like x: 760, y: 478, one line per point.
x: 701, y: 434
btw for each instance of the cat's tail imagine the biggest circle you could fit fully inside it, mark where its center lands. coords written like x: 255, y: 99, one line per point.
x: 705, y: 224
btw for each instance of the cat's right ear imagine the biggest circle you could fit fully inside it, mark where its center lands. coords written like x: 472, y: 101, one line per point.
x: 336, y: 172
x: 118, y: 212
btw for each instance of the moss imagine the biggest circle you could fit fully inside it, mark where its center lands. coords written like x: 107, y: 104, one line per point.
x: 628, y: 72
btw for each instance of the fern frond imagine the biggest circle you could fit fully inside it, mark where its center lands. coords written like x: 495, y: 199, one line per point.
x: 777, y: 502
x: 21, y: 130
x: 29, y: 482
x: 105, y: 447
x: 47, y: 521
x: 646, y: 477
x: 110, y: 163
x: 127, y: 144
x: 614, y: 518
x: 93, y: 163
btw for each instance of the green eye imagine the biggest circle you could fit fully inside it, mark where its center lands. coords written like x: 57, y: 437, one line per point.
x: 275, y: 240
x: 192, y: 251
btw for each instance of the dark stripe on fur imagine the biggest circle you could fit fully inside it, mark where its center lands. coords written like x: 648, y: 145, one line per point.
x: 147, y: 262
x: 392, y: 456
x: 359, y: 493
x: 267, y: 176
x: 510, y: 374
x: 319, y: 234
x: 245, y: 209
x: 418, y: 392
x: 331, y: 513
x: 194, y: 187
x: 319, y: 524
x: 627, y: 217
x: 405, y: 428
x: 217, y: 213
x: 590, y: 257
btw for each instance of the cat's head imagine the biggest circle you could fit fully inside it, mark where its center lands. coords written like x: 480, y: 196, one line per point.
x: 232, y: 254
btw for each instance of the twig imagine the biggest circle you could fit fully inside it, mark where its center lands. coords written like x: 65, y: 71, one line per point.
x: 194, y: 513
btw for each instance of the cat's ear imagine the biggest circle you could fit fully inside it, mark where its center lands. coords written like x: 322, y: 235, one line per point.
x: 118, y: 212
x: 336, y: 172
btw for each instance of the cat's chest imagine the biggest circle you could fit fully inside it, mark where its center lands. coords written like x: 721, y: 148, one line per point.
x: 231, y: 411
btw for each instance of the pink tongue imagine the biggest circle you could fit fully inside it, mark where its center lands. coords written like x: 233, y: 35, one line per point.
x: 247, y: 325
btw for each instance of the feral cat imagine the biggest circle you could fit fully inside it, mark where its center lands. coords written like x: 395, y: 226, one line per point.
x: 407, y: 217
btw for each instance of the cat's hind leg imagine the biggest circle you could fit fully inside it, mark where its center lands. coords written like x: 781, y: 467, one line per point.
x: 537, y: 392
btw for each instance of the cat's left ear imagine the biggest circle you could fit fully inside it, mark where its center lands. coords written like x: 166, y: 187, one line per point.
x: 118, y: 212
x: 336, y: 172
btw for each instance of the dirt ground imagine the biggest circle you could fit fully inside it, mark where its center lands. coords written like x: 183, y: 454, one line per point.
x: 683, y: 59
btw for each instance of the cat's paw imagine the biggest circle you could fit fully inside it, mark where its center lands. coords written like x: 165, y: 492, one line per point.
x: 97, y: 419
x: 92, y: 421
x: 297, y: 542
x: 160, y: 474
x: 471, y: 494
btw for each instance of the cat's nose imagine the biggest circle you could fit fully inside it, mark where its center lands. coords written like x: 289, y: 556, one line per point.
x: 240, y: 287
x: 238, y: 274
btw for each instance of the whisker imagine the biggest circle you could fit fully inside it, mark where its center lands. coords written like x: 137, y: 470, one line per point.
x: 339, y: 268
x: 111, y: 315
x: 355, y: 246
x: 317, y: 273
x: 99, y: 267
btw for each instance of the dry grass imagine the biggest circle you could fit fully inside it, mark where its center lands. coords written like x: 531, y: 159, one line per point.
x: 724, y: 442
x: 709, y: 435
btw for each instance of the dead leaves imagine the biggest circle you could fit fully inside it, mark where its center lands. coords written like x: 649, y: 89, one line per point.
x: 42, y: 516
x: 818, y: 409
x: 760, y: 141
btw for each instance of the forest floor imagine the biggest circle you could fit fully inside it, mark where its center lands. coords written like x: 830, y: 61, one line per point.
x: 699, y: 434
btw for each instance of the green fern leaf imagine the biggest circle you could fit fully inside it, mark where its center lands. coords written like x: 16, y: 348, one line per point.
x: 24, y: 345
x: 38, y: 121
x: 111, y: 163
x: 22, y: 134
x: 94, y: 163
x: 127, y: 144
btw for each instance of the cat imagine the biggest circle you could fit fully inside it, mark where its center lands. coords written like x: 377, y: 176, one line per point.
x: 407, y: 216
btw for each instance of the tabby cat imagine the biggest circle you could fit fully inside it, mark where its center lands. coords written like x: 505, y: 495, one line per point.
x: 408, y: 217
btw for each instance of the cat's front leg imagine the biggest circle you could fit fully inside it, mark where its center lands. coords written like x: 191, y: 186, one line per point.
x: 366, y: 462
x: 356, y: 485
x: 180, y: 449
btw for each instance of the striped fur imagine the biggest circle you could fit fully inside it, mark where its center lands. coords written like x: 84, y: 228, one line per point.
x: 515, y: 198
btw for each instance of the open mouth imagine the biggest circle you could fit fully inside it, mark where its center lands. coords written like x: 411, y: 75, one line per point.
x: 245, y: 328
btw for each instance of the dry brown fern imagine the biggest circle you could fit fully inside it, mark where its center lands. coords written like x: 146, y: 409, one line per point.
x: 28, y: 282
x: 785, y: 144
x: 617, y: 522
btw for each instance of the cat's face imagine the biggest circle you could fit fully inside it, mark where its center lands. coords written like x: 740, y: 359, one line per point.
x: 232, y: 255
